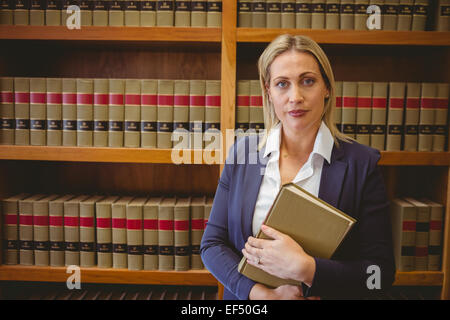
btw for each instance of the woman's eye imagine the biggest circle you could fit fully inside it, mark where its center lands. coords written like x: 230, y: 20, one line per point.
x: 308, y: 81
x: 282, y: 84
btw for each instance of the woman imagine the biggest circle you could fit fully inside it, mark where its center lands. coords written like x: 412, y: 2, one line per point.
x: 302, y: 145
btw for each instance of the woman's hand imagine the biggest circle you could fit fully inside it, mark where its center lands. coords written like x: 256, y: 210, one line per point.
x: 281, y: 257
x: 286, y: 292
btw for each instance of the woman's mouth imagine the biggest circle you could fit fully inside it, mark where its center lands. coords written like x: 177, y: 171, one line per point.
x: 297, y: 113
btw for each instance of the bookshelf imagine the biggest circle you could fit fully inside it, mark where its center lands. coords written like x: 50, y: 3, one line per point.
x: 227, y: 54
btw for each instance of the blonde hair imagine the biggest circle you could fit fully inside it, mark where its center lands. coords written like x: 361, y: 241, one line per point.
x: 300, y: 43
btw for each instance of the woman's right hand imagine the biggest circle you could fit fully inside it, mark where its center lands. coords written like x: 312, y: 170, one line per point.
x: 285, y: 292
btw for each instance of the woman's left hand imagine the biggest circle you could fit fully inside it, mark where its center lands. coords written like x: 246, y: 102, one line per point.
x: 281, y: 257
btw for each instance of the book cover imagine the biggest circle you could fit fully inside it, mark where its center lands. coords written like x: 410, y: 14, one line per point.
x: 148, y: 13
x: 420, y: 15
x: 54, y: 112
x: 165, y: 14
x: 56, y: 230
x: 101, y: 113
x: 332, y: 18
x: 273, y: 15
x: 135, y: 233
x: 214, y: 14
x: 22, y: 111
x: 379, y: 106
x: 6, y: 12
x: 349, y: 95
x: 150, y: 216
x: 53, y: 13
x: 435, y: 236
x: 181, y: 217
x: 443, y: 15
x: 364, y: 112
x: 181, y: 137
x: 37, y: 12
x: 85, y: 112
x: 116, y: 13
x: 318, y: 14
x: 88, y: 252
x: 149, y: 95
x: 403, y: 222
x: 196, y: 113
x: 440, y: 117
x: 320, y: 236
x: 244, y: 13
x: 361, y: 15
x: 412, y: 116
x: 338, y: 108
x: 405, y: 13
x: 132, y: 13
x: 303, y: 14
x: 182, y: 13
x: 103, y: 231
x: 243, y: 105
x: 132, y: 134
x: 21, y: 12
x: 212, y: 114
x: 197, y: 229
x: 166, y: 251
x: 86, y: 11
x: 116, y: 111
x: 99, y: 13
x: 256, y: 114
x: 390, y: 14
x: 69, y: 112
x: 38, y: 112
x: 347, y: 15
x: 426, y: 119
x: 7, y: 119
x: 72, y: 230
x: 165, y: 113
x: 395, y: 116
x: 287, y: 14
x: 258, y: 10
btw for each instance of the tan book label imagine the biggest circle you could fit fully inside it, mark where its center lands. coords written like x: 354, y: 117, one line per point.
x: 87, y: 232
x: 116, y: 112
x: 245, y: 13
x: 56, y: 230
x: 364, y: 112
x: 197, y: 229
x: 427, y: 112
x: 405, y: 12
x: 104, y: 231
x: 135, y: 234
x: 165, y: 14
x: 132, y: 135
x: 69, y: 112
x: 181, y: 115
x: 212, y: 114
x: 22, y: 111
x: 85, y: 112
x: 182, y: 13
x: 396, y: 107
x: 440, y: 117
x: 166, y: 249
x: 214, y: 14
x: 149, y: 94
x: 273, y: 15
x: 150, y: 216
x: 379, y: 107
x: 7, y: 119
x: 347, y: 15
x: 258, y: 10
x: 165, y: 113
x: 72, y: 230
x: 181, y: 234
x: 116, y: 13
x: 101, y: 113
x: 148, y: 13
x: 303, y: 11
x: 349, y: 95
x: 54, y: 112
x: 420, y: 14
x: 132, y: 15
x: 197, y: 113
x: 412, y: 113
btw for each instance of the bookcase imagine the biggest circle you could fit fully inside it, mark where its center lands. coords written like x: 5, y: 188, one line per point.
x: 228, y: 54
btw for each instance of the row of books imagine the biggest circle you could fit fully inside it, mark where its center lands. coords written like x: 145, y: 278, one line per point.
x: 417, y: 234
x: 138, y: 233
x: 390, y: 116
x: 117, y: 13
x: 109, y: 112
x: 401, y: 15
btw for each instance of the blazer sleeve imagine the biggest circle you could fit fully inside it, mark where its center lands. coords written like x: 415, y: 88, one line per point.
x: 334, y: 278
x: 217, y: 252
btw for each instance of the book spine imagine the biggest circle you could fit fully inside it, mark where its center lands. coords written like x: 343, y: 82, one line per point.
x: 132, y: 136
x: 303, y: 11
x: 332, y: 20
x: 404, y: 235
x: 245, y: 13
x: 151, y: 236
x: 11, y: 229
x: 426, y: 120
x: 181, y: 114
x: 165, y: 113
x: 420, y: 14
x: 85, y: 112
x: 422, y: 239
x: 196, y: 113
x: 7, y: 124
x: 135, y: 236
x: 56, y: 232
x: 259, y: 9
x: 338, y: 109
x: 101, y: 112
x: 198, y: 13
x: 41, y: 231
x: 99, y: 13
x: 166, y: 235
x: 347, y: 15
x: 405, y: 13
x: 197, y: 229
x: 6, y: 12
x: 412, y: 113
x: 214, y: 14
x: 37, y: 12
x: 86, y: 12
x: 443, y: 16
x: 361, y: 14
x: 181, y: 237
x: 149, y: 101
x: 26, y: 252
x: 273, y: 16
x: 38, y: 111
x: 243, y: 105
x: 349, y: 94
x: 116, y: 13
x: 54, y: 112
x: 22, y: 111
x: 119, y: 236
x: 87, y: 234
x: 390, y: 14
x: 132, y: 13
x: 435, y: 239
x: 395, y: 116
x: 69, y: 112
x: 21, y: 12
x: 148, y: 13
x: 116, y: 110
x: 104, y: 235
x: 379, y: 106
x: 256, y: 115
x: 182, y: 13
x: 212, y: 114
x: 440, y: 117
x: 53, y: 13
x: 364, y: 112
x: 72, y: 232
x: 287, y: 14
x: 165, y: 13
x: 318, y: 14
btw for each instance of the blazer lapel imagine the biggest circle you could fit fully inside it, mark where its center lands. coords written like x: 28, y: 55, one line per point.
x: 332, y: 178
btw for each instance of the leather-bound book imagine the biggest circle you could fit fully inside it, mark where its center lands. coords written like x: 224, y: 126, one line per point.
x: 88, y: 252
x: 440, y: 117
x: 165, y: 13
x: 56, y: 230
x: 256, y: 118
x: 101, y: 113
x: 412, y: 114
x: 197, y: 229
x: 54, y: 111
x: 180, y: 137
x: 390, y: 14
x: 405, y: 12
x: 181, y: 234
x: 420, y: 15
x: 332, y: 14
x: 426, y: 120
x: 148, y: 13
x: 287, y: 14
x: 69, y: 112
x: 259, y: 9
x: 86, y: 11
x: 135, y: 233
x: 38, y: 111
x: 182, y: 13
x: 273, y: 15
x: 347, y: 15
x: 150, y: 216
x: 22, y: 111
x: 379, y: 111
x: 21, y: 12
x: 435, y: 234
x: 53, y: 13
x: 99, y: 13
x: 116, y: 110
x: 72, y: 230
x: 149, y: 97
x: 132, y: 15
x: 116, y: 12
x: 212, y: 114
x: 85, y: 112
x: 244, y: 13
x: 214, y: 14
x: 349, y: 95
x: 37, y: 12
x: 443, y: 15
x: 338, y: 109
x: 364, y: 112
x: 6, y: 12
x: 103, y: 231
x: 7, y: 119
x: 166, y: 250
x: 165, y: 113
x: 361, y: 15
x: 243, y: 105
x: 196, y: 113
x: 303, y: 11
x: 396, y: 108
x: 132, y: 135
x: 318, y: 14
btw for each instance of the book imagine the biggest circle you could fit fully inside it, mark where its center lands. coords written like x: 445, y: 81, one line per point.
x: 412, y: 116
x: 440, y: 117
x: 86, y: 12
x: 420, y: 14
x: 318, y: 14
x: 132, y: 13
x: 88, y: 252
x: 379, y: 106
x: 319, y: 228
x: 244, y: 13
x: 37, y: 12
x: 56, y: 230
x: 212, y: 114
x: 150, y: 216
x: 54, y: 112
x: 214, y: 14
x: 182, y: 13
x: 72, y: 230
x: 256, y: 115
x: 165, y: 113
x: 390, y: 15
x: 443, y: 15
x: 197, y: 229
x: 116, y: 111
x: 287, y: 14
x: 196, y: 113
x: 38, y: 111
x: 22, y: 111
x: 258, y: 11
x: 332, y: 18
x: 405, y: 12
x: 165, y: 14
x: 349, y: 95
x: 135, y: 233
x: 403, y: 221
x: 69, y: 112
x: 243, y: 105
x: 101, y: 113
x: 364, y: 112
x: 7, y: 119
x: 435, y: 234
x: 273, y: 15
x: 10, y: 212
x: 426, y: 119
x: 6, y: 12
x: 41, y: 241
x: 21, y: 12
x: 116, y: 13
x: 166, y: 234
x: 132, y: 134
x: 148, y: 13
x: 338, y: 108
x: 198, y: 13
x: 395, y: 116
x: 103, y: 231
x: 99, y: 13
x: 85, y: 112
x: 361, y: 15
x: 303, y: 14
x: 181, y: 136
x: 181, y: 217
x: 347, y: 15
x: 149, y: 94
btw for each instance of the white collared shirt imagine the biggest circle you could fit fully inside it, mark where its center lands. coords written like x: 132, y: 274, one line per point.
x: 308, y: 177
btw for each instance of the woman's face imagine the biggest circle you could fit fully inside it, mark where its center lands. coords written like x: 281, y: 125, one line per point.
x: 297, y: 90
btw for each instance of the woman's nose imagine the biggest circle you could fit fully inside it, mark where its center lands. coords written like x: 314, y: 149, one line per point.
x: 296, y: 94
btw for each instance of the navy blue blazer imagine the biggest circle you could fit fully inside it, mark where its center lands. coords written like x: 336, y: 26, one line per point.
x: 352, y: 182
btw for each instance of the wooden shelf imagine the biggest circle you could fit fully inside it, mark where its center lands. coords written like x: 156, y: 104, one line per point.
x: 109, y: 275
x: 419, y: 278
x: 407, y: 158
x: 123, y: 34
x: 422, y: 38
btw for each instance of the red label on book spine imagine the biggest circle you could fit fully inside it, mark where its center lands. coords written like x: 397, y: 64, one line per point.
x: 243, y: 101
x: 149, y: 99
x: 119, y: 223
x: 134, y: 224
x: 409, y: 226
x: 435, y: 225
x: 55, y: 221
x: 10, y: 219
x: 364, y: 102
x: 38, y: 97
x: 339, y: 102
x: 85, y: 98
x: 69, y: 98
x: 6, y: 97
x: 441, y: 103
x: 197, y: 101
x: 349, y: 102
x: 116, y: 98
x: 213, y: 101
x: 179, y: 100
x: 41, y: 221
x: 427, y: 103
x: 87, y: 222
x: 54, y: 98
x: 133, y: 99
x: 165, y: 224
x: 151, y: 224
x: 181, y: 225
x: 101, y: 98
x: 26, y: 220
x: 71, y: 221
x: 197, y: 224
x: 412, y: 103
x: 396, y: 103
x: 256, y: 101
x: 379, y: 103
x: 421, y: 251
x: 165, y: 100
x: 22, y: 97
x: 104, y: 222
